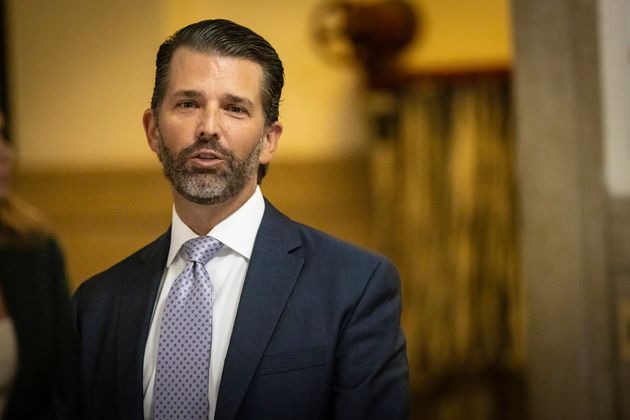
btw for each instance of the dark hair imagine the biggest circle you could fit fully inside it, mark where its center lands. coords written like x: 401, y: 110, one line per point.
x: 224, y: 37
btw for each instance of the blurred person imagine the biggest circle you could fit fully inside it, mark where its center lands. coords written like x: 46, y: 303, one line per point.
x: 236, y: 312
x: 34, y: 301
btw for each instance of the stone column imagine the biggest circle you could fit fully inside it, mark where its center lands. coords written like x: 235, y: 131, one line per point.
x: 614, y: 30
x: 564, y: 206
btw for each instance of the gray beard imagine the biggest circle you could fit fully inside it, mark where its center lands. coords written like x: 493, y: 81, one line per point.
x: 208, y: 186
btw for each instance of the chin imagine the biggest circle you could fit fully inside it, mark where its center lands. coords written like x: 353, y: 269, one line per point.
x: 198, y: 196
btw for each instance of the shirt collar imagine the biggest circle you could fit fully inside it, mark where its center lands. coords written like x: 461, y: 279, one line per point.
x: 237, y: 232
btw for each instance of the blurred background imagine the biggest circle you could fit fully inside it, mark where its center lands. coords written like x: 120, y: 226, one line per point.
x: 483, y: 146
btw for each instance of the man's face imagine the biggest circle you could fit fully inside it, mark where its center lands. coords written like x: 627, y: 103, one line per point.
x: 210, y: 134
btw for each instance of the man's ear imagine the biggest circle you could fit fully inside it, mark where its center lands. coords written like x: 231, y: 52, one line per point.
x: 149, y: 122
x: 270, y: 142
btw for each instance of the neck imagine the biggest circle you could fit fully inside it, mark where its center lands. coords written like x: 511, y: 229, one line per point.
x: 201, y: 218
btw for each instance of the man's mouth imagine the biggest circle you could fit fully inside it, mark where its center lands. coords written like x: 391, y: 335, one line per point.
x: 206, y: 158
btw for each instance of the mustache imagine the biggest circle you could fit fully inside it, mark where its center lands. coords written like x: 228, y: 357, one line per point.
x: 211, y: 143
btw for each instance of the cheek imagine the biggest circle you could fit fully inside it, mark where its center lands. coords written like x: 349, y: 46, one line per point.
x: 176, y: 136
x: 241, y: 140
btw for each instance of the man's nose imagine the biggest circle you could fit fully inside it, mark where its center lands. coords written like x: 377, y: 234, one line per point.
x: 209, y: 123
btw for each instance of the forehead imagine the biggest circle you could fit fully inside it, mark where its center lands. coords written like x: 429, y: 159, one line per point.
x: 212, y: 73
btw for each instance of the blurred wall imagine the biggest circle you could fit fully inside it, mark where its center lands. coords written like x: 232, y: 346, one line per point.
x: 461, y: 34
x: 81, y: 72
x: 80, y: 79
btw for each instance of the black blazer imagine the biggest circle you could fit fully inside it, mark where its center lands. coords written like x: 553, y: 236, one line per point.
x: 317, y: 333
x: 34, y: 285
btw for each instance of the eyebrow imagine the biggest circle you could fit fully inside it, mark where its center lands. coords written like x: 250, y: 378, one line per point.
x: 239, y: 100
x: 188, y: 93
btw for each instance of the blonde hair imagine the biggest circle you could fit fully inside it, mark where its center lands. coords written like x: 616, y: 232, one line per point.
x: 21, y: 223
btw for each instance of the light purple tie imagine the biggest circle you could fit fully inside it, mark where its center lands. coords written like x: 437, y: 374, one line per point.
x: 181, y: 383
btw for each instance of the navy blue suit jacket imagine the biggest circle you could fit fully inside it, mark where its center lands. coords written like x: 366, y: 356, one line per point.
x: 317, y: 333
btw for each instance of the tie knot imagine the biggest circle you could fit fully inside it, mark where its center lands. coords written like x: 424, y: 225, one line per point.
x: 202, y: 249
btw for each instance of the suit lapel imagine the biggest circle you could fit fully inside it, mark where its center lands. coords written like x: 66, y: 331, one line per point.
x: 270, y: 278
x: 139, y: 288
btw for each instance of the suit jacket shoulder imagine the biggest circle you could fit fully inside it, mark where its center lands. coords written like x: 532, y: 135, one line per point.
x: 315, y: 242
x: 341, y: 266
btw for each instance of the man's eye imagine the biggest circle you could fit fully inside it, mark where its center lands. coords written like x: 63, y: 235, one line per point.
x: 235, y: 109
x: 186, y: 104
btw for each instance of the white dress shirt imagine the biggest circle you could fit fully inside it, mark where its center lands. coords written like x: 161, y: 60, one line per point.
x: 227, y: 272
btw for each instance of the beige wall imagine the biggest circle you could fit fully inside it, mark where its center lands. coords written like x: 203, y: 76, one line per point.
x: 458, y: 33
x: 80, y: 80
x: 81, y: 72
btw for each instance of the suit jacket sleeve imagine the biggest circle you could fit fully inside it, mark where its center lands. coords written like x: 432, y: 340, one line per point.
x: 371, y: 378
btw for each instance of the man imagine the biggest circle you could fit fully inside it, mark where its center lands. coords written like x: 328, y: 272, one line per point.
x: 282, y: 321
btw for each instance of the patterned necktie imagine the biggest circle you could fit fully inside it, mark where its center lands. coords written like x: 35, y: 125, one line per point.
x: 181, y: 383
